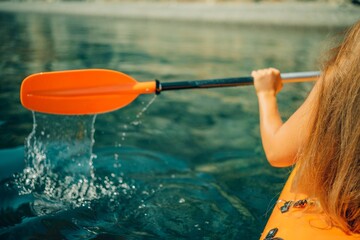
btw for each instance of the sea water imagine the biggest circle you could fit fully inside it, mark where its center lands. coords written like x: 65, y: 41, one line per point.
x: 129, y: 193
x: 190, y: 167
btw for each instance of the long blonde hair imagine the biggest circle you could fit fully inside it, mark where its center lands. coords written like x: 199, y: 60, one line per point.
x: 329, y: 162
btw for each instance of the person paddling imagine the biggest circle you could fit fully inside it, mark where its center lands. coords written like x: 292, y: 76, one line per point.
x: 323, y: 136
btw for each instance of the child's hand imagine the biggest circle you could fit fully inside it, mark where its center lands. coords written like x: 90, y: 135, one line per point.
x: 267, y: 81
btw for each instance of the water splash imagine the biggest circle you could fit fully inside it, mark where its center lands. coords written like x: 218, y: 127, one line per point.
x: 61, y: 144
x: 59, y: 164
x: 135, y: 122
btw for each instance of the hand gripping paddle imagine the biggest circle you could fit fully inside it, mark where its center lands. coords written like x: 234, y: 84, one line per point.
x: 93, y: 91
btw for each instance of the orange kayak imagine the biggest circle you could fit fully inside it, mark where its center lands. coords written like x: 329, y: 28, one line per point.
x: 289, y: 221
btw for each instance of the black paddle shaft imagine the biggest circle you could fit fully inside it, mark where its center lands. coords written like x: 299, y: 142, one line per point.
x: 225, y: 82
x: 211, y: 83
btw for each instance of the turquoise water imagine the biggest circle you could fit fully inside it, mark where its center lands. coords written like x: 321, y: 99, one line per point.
x: 182, y: 165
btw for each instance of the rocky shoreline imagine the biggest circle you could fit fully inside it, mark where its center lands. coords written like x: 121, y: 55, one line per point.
x: 309, y: 14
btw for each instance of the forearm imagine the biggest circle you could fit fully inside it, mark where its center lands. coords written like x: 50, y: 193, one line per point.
x: 270, y: 123
x: 280, y: 140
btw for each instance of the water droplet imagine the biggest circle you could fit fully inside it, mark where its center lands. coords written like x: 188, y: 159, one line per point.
x: 136, y: 122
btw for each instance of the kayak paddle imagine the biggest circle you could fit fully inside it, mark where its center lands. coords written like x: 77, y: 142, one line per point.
x: 93, y: 91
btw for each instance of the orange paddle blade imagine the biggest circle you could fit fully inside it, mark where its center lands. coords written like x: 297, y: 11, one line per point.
x: 81, y: 91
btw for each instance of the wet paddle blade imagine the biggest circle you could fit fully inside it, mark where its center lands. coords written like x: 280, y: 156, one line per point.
x: 81, y: 91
